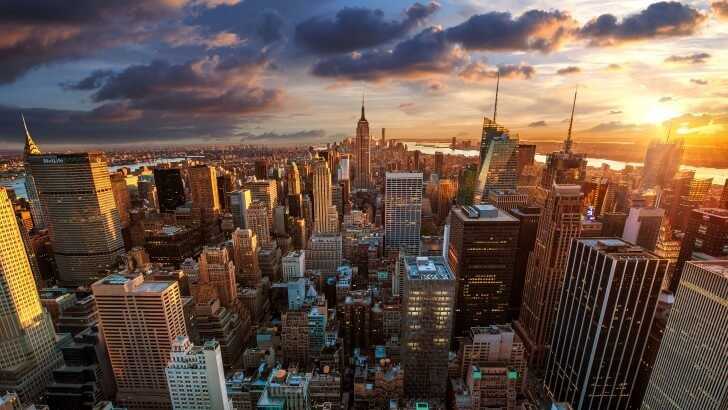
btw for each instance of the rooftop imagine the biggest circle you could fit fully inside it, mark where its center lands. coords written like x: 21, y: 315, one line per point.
x: 427, y: 268
x: 483, y: 213
x: 719, y: 267
x: 719, y: 212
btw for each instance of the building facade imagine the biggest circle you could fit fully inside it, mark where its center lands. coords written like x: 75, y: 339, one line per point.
x: 403, y: 212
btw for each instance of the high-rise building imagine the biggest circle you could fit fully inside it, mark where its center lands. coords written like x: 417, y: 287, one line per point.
x: 203, y: 191
x: 36, y: 207
x: 643, y: 227
x: 76, y: 193
x: 607, y: 305
x: 528, y: 227
x: 439, y: 163
x: 170, y: 188
x: 28, y: 352
x: 724, y: 196
x: 240, y: 201
x: 494, y: 346
x: 140, y: 320
x: 403, y: 211
x: 498, y: 162
x: 362, y: 177
x: 482, y: 254
x: 196, y: 377
x: 294, y: 337
x: 264, y: 191
x: 121, y: 197
x: 526, y: 155
x: 294, y: 265
x: 662, y: 161
x: 690, y: 371
x: 217, y: 271
x: 324, y: 253
x: 293, y: 179
x: 427, y: 306
x: 564, y: 167
x: 245, y: 254
x: 560, y: 222
x: 261, y: 169
x: 258, y: 222
x: 706, y: 238
x: 322, y: 201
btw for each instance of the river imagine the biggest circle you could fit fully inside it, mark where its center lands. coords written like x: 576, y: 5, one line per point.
x: 719, y: 175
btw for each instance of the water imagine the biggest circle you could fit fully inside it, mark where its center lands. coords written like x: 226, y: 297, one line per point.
x: 719, y: 175
x: 18, y: 184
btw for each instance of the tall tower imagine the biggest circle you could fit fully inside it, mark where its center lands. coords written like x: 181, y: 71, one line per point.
x: 79, y: 204
x: 140, y: 321
x: 27, y: 339
x: 257, y: 220
x: 322, y: 197
x: 498, y: 168
x: 245, y: 252
x: 403, y: 211
x: 362, y: 147
x: 203, y: 191
x: 240, y: 201
x: 605, y: 313
x: 662, y: 161
x: 196, y: 377
x: 560, y: 222
x: 36, y: 207
x: 427, y: 309
x: 564, y: 167
x: 170, y: 188
x: 690, y: 371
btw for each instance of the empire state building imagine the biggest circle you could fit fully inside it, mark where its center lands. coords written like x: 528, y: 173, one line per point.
x: 362, y: 165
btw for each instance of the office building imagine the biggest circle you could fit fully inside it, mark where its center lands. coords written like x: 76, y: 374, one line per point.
x: 427, y: 306
x: 203, y: 191
x: 403, y: 212
x: 140, y: 320
x: 213, y: 321
x: 506, y: 200
x: 690, y: 371
x: 259, y: 222
x: 526, y: 155
x: 324, y: 253
x: 264, y: 191
x: 294, y: 337
x: 439, y: 163
x: 362, y: 150
x: 36, y: 207
x: 643, y: 227
x: 482, y: 254
x: 217, y: 274
x: 606, y: 309
x: 195, y: 376
x: 28, y: 352
x: 170, y: 188
x: 121, y: 197
x: 240, y: 201
x: 294, y: 265
x: 528, y: 227
x: 245, y: 254
x: 498, y: 161
x: 560, y: 222
x: 495, y: 346
x: 76, y: 193
x: 322, y: 201
x: 706, y: 238
x: 662, y: 162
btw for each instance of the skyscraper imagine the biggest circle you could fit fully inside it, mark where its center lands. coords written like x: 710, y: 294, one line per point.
x: 322, y: 197
x: 76, y: 193
x: 258, y: 222
x: 140, y: 320
x: 560, y: 222
x: 427, y: 307
x: 170, y: 188
x: 706, y: 238
x: 662, y: 161
x: 203, y: 191
x: 481, y: 253
x: 643, y: 226
x: 28, y: 351
x: 605, y: 313
x: 690, y: 371
x: 403, y: 211
x: 217, y: 272
x: 439, y: 163
x: 362, y: 148
x: 266, y: 192
x: 324, y: 253
x: 245, y: 253
x: 36, y: 207
x: 498, y: 158
x: 121, y: 197
x: 528, y: 227
x: 196, y: 377
x: 240, y: 201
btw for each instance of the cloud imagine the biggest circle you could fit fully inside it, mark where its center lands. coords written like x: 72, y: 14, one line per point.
x: 275, y: 137
x: 662, y: 19
x: 720, y: 9
x: 93, y: 81
x: 537, y: 124
x: 612, y: 126
x: 481, y: 72
x: 615, y: 112
x: 533, y: 30
x: 358, y: 28
x: 698, y: 81
x: 614, y: 67
x: 195, y: 36
x: 427, y: 53
x: 40, y: 32
x: 212, y: 85
x: 568, y: 70
x: 695, y: 58
x: 665, y: 99
x: 270, y: 26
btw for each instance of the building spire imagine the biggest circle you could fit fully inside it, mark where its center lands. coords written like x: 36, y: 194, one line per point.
x: 568, y: 142
x: 362, y: 108
x: 30, y: 147
x: 497, y: 86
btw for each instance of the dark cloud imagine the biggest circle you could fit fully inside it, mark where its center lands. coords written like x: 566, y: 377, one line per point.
x: 568, y: 70
x: 40, y: 32
x: 537, y: 124
x: 695, y: 58
x: 614, y: 67
x: 275, y: 137
x: 615, y: 112
x: 720, y: 9
x: 481, y: 72
x: 358, y: 28
x: 665, y: 99
x: 698, y: 81
x: 93, y: 81
x: 211, y: 85
x: 612, y: 126
x: 426, y: 53
x: 534, y: 30
x: 270, y: 26
x: 662, y: 19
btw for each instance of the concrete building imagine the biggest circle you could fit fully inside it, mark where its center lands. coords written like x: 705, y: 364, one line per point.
x: 195, y: 376
x: 203, y: 191
x: 403, y: 212
x: 258, y: 221
x: 293, y: 265
x: 245, y: 254
x: 324, y: 253
x: 643, y: 227
x: 497, y: 347
x: 322, y: 197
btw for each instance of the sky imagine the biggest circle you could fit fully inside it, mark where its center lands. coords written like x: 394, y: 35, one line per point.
x: 158, y: 72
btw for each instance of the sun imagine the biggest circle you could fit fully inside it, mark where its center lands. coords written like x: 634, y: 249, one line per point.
x: 657, y: 114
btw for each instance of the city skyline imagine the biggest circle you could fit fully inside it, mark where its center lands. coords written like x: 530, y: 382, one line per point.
x: 263, y: 72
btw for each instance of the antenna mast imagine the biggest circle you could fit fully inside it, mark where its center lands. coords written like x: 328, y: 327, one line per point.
x: 568, y: 142
x: 497, y: 86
